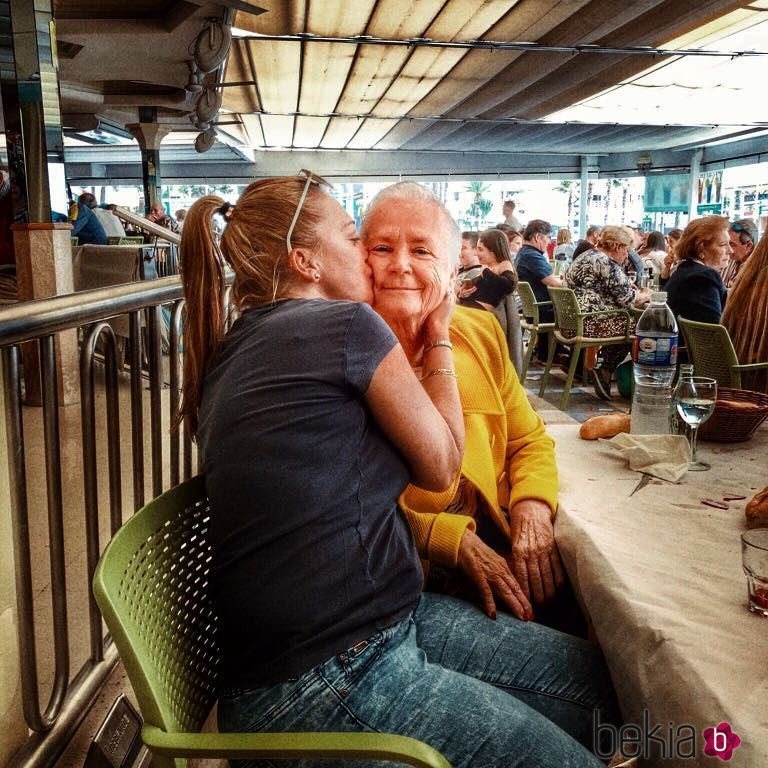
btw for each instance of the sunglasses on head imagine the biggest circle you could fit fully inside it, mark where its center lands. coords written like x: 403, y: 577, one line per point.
x: 311, y: 178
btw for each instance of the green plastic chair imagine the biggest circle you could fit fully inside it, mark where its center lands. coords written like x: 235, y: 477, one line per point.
x: 151, y: 585
x: 711, y: 351
x: 569, y: 330
x: 530, y: 322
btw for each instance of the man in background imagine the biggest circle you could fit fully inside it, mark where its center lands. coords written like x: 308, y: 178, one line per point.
x: 508, y: 208
x: 158, y: 215
x: 85, y: 226
x: 743, y: 236
x: 107, y: 219
x: 589, y: 241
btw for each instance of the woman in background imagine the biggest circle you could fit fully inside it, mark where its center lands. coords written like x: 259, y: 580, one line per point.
x: 695, y: 290
x: 564, y: 248
x: 498, y: 278
x: 598, y: 279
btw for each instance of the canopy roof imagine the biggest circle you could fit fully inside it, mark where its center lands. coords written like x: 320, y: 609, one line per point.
x: 457, y: 78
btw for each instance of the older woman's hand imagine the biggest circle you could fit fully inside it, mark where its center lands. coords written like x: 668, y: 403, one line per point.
x: 437, y: 322
x: 534, y: 557
x: 489, y: 572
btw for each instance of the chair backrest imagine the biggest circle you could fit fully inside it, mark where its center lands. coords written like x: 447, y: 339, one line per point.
x: 567, y: 311
x: 711, y: 351
x: 152, y: 586
x: 528, y: 302
x: 509, y: 319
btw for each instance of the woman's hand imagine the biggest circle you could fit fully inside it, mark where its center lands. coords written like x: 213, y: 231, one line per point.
x: 489, y: 572
x: 439, y: 319
x: 534, y: 557
x: 466, y: 290
x: 642, y: 296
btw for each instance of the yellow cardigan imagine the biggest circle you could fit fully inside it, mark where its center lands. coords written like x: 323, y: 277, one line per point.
x: 508, y: 455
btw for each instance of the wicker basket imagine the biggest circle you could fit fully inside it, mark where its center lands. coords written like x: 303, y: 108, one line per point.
x: 731, y: 424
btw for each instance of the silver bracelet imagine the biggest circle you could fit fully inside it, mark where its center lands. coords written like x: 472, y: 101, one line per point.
x: 438, y: 343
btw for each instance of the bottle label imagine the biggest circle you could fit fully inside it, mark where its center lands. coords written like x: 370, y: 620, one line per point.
x: 655, y: 350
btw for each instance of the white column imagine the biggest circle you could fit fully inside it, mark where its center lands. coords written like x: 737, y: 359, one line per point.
x: 583, y: 206
x: 693, y: 190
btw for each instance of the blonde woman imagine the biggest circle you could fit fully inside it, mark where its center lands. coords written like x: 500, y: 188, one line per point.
x: 600, y: 282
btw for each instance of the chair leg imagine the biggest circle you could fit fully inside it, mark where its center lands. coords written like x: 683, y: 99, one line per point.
x: 550, y: 357
x: 575, y: 352
x: 532, y: 336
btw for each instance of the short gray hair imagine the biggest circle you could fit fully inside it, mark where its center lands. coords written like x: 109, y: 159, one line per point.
x: 412, y: 190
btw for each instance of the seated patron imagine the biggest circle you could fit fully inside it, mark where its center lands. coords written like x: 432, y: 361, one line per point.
x: 600, y: 282
x: 534, y: 268
x: 497, y: 278
x: 743, y: 238
x: 695, y: 290
x: 86, y: 227
x: 746, y: 315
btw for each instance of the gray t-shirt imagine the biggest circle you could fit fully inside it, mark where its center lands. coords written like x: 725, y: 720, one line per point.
x: 311, y: 554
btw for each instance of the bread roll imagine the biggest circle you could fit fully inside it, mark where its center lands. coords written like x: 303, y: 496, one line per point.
x: 757, y: 510
x: 606, y: 425
x: 737, y: 405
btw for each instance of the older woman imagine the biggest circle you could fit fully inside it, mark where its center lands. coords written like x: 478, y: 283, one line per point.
x: 746, y: 313
x: 498, y: 278
x: 496, y: 518
x: 695, y: 290
x: 311, y: 423
x: 600, y: 282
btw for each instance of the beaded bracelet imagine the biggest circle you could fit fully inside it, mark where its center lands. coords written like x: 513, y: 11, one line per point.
x: 440, y: 372
x: 438, y: 343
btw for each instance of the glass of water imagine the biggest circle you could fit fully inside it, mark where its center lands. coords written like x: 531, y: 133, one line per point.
x: 696, y: 396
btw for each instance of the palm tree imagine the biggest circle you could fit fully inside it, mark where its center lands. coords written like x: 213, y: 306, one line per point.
x: 480, y: 206
x: 567, y: 187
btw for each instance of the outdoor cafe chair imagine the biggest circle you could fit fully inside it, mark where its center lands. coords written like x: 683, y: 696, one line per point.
x: 711, y: 351
x: 569, y: 330
x: 531, y: 322
x: 152, y: 587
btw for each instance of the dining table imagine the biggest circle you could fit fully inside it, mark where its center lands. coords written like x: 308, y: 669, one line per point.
x: 656, y: 567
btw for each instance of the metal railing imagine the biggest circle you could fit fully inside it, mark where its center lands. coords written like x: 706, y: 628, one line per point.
x: 154, y: 312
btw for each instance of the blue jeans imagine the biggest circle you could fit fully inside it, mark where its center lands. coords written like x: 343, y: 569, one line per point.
x: 483, y: 692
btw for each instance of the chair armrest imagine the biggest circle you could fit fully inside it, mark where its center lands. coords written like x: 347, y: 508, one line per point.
x: 543, y: 303
x: 311, y: 746
x: 751, y: 366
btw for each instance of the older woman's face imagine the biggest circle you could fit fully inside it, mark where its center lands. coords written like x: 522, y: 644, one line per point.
x: 716, y: 253
x: 409, y: 252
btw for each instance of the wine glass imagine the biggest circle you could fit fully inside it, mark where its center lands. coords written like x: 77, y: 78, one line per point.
x: 696, y: 398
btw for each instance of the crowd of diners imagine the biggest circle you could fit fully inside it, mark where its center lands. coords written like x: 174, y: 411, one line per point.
x: 382, y: 492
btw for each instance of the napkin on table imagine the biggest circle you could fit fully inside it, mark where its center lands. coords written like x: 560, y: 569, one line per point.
x: 663, y: 456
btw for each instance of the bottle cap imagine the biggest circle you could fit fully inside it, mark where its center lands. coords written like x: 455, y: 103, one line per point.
x: 659, y: 296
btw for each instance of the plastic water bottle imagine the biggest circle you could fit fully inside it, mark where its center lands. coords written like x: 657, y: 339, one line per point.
x: 655, y: 361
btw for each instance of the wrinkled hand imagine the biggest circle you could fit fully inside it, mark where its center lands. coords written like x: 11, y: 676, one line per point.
x: 490, y: 573
x: 534, y: 557
x: 437, y: 322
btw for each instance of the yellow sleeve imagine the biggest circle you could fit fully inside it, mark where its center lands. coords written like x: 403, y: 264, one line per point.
x: 530, y: 458
x: 438, y: 535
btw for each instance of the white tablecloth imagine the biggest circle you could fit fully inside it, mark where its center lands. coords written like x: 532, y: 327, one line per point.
x: 660, y: 577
